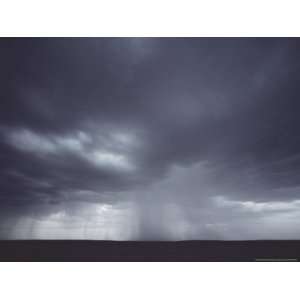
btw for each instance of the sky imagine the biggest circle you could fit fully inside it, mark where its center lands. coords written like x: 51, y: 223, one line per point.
x: 150, y: 138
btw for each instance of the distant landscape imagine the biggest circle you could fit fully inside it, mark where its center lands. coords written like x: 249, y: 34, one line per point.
x: 81, y: 250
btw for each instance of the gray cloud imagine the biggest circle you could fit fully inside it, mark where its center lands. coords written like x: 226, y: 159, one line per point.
x: 193, y: 138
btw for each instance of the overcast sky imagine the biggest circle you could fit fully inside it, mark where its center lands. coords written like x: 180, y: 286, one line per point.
x: 150, y: 139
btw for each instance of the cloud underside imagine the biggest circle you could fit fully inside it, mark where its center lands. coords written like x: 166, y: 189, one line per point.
x: 141, y: 138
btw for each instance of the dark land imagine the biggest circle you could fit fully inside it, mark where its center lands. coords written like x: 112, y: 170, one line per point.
x: 80, y: 250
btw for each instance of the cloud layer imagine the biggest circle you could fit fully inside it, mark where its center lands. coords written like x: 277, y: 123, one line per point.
x: 143, y: 138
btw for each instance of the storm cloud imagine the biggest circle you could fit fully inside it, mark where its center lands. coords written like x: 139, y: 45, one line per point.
x: 150, y: 138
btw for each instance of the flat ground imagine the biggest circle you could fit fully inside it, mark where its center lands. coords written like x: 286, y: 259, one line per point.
x: 80, y: 250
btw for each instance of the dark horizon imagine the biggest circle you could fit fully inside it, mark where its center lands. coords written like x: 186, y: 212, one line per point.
x: 147, y: 251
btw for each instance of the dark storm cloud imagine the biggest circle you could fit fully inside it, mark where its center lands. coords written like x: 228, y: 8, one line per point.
x: 104, y: 116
